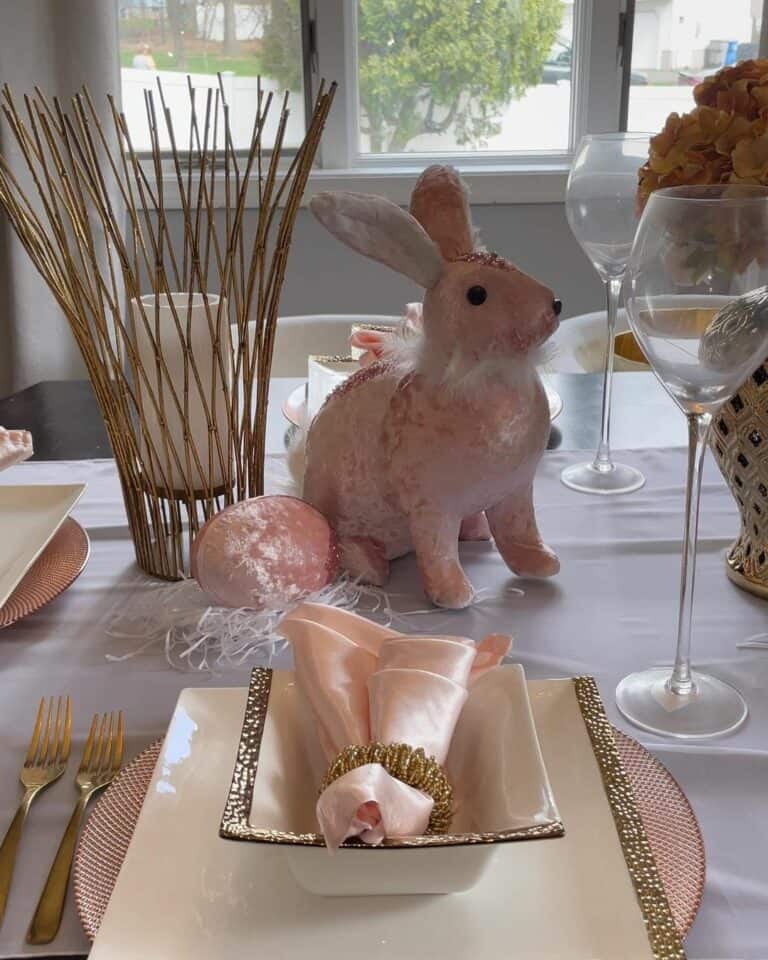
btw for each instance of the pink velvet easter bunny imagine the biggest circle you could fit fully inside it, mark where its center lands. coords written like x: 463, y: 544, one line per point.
x: 415, y: 451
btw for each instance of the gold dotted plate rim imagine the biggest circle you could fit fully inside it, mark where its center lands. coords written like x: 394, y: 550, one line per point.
x: 57, y: 567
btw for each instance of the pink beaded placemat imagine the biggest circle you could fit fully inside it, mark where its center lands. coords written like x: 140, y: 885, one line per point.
x: 57, y: 567
x: 669, y: 821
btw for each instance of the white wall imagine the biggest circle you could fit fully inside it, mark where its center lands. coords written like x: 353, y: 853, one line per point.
x: 325, y: 277
x: 42, y: 42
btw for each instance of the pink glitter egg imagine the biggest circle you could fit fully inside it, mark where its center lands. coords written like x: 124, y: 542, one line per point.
x: 264, y: 552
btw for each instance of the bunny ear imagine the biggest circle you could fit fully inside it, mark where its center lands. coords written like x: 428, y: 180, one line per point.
x: 440, y: 203
x: 379, y: 229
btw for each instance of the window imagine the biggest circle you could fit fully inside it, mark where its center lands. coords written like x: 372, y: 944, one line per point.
x: 676, y: 44
x: 169, y: 39
x: 451, y: 76
x: 491, y: 85
x: 489, y: 79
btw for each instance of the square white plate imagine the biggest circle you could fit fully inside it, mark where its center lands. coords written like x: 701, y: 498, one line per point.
x: 186, y: 894
x: 29, y: 517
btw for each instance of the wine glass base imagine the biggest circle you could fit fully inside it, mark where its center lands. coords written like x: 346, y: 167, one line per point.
x: 711, y: 710
x: 587, y: 478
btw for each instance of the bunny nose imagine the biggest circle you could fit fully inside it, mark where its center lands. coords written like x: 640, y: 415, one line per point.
x: 557, y: 306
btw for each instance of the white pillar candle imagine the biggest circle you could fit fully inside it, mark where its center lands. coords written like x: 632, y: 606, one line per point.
x: 186, y: 344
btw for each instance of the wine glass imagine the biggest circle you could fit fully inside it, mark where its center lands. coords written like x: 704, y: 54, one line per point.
x: 697, y: 301
x: 601, y: 206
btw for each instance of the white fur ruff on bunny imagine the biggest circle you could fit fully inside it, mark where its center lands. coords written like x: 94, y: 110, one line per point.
x: 417, y: 454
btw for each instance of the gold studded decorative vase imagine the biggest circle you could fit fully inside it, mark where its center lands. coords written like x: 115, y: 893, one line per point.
x: 740, y: 445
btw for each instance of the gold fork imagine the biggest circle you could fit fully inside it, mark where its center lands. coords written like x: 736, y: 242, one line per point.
x: 102, y: 757
x: 44, y: 763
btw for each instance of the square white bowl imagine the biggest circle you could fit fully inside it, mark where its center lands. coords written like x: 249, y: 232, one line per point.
x: 501, y: 793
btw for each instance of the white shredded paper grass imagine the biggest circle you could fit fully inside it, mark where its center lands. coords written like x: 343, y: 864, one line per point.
x: 196, y: 635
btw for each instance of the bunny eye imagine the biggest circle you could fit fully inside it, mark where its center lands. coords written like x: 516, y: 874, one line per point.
x: 476, y: 295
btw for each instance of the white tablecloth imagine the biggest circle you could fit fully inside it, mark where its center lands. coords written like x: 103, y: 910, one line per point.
x: 612, y: 610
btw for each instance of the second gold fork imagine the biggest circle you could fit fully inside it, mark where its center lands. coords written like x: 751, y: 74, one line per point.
x: 102, y: 758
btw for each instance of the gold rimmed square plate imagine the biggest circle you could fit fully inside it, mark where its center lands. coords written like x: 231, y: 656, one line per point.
x: 592, y: 893
x: 29, y: 517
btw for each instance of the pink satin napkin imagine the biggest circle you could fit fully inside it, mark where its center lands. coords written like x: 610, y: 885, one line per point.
x: 364, y: 683
x: 372, y: 342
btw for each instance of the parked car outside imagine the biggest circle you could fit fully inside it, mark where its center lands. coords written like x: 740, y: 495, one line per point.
x: 743, y: 51
x: 690, y: 78
x: 558, y: 67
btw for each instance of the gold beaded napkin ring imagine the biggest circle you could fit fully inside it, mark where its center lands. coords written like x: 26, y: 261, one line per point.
x: 408, y: 764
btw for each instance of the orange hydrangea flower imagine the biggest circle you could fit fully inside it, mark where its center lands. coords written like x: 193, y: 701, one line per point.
x: 724, y: 139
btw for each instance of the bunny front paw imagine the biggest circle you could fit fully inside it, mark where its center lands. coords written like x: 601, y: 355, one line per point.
x: 435, y: 539
x: 528, y: 560
x: 513, y: 525
x: 364, y: 559
x: 447, y: 586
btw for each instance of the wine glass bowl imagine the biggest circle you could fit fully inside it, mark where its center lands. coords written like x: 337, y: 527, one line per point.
x: 676, y: 335
x: 601, y: 205
x: 697, y: 303
x: 601, y: 208
x: 680, y: 298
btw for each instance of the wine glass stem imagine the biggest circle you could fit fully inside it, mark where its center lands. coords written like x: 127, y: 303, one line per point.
x: 603, y: 457
x: 698, y: 429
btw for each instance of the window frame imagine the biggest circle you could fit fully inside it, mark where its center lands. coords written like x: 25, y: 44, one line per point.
x: 602, y: 51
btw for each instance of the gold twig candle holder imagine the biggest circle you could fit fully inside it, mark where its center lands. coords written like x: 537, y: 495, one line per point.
x: 176, y: 327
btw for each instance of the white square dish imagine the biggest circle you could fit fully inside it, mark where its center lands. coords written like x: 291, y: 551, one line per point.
x: 29, y: 516
x: 183, y: 893
x: 280, y: 764
x: 324, y: 374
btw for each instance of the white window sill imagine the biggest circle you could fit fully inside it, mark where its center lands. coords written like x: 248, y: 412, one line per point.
x: 487, y: 185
